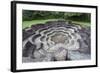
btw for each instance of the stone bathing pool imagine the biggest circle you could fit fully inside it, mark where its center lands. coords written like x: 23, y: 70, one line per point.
x: 56, y: 41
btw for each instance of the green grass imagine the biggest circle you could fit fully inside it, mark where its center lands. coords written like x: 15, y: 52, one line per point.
x: 84, y: 24
x: 33, y: 22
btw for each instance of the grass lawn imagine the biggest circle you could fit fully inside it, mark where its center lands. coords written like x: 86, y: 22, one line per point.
x: 33, y: 22
x: 84, y: 24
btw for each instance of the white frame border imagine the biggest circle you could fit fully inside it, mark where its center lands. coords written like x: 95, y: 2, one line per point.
x: 21, y: 65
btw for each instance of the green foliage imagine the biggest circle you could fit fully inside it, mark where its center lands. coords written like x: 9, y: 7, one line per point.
x: 29, y: 15
x: 34, y: 15
x: 84, y: 17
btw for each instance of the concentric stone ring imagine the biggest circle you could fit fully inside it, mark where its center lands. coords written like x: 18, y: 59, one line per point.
x: 56, y: 41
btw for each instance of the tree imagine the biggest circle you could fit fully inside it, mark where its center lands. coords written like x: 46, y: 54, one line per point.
x: 37, y: 15
x: 27, y: 15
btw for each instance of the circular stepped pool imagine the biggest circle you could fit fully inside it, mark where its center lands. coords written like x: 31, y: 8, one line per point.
x: 56, y: 41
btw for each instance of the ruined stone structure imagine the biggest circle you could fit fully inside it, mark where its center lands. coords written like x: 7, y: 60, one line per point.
x: 56, y: 41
